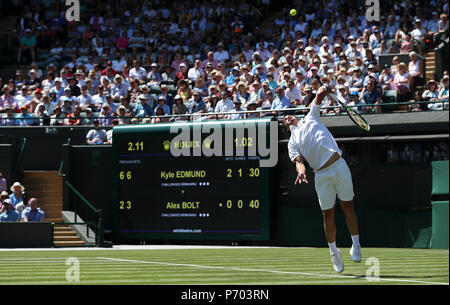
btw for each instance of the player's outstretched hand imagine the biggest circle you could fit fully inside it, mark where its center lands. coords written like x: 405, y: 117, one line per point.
x: 300, y: 178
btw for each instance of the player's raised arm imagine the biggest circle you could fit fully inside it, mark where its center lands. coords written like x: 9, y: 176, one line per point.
x: 321, y: 94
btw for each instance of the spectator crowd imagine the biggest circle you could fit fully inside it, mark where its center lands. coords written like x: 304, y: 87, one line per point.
x: 16, y: 206
x: 129, y: 61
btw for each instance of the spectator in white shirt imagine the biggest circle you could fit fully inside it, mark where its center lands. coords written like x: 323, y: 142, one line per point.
x: 196, y: 71
x: 137, y: 72
x: 221, y: 55
x: 293, y: 94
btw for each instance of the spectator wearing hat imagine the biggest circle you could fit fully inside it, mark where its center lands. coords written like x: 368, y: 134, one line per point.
x: 3, y: 196
x: 242, y: 92
x: 67, y: 107
x: 154, y: 77
x: 237, y: 112
x: 43, y: 119
x: 432, y: 92
x: 182, y: 74
x: 143, y: 109
x: 37, y: 96
x: 74, y: 89
x: 161, y: 103
x: 33, y: 212
x: 122, y: 115
x: 418, y: 33
x: 245, y: 77
x: 221, y: 55
x: 58, y: 88
x: 7, y: 99
x: 235, y: 74
x: 9, y: 214
x: 178, y: 107
x: 196, y: 104
x: 443, y: 92
x: 24, y: 118
x: 18, y: 194
x: 33, y: 82
x: 67, y: 96
x: 168, y: 75
x: 57, y: 119
x: 96, y: 135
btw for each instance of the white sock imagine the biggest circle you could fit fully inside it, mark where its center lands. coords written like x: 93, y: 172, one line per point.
x: 355, y: 240
x: 333, y: 248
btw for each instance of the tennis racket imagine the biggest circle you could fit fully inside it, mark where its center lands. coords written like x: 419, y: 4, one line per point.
x: 354, y: 116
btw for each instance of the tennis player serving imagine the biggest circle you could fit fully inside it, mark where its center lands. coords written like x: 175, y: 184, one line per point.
x: 312, y: 141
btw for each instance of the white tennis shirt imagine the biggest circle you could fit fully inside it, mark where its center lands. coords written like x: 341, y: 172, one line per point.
x: 312, y: 140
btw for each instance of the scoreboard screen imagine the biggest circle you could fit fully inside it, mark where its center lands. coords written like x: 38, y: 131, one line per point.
x: 191, y: 180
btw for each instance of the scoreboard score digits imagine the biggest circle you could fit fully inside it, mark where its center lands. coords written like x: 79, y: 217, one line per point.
x: 161, y: 196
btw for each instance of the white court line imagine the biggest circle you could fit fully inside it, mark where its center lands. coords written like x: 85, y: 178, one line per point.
x: 263, y: 270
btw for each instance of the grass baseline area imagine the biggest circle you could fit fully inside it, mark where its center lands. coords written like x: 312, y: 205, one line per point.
x: 209, y: 265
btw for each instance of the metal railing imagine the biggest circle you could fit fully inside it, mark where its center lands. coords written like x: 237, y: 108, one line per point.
x: 251, y: 113
x: 99, y: 226
x: 17, y: 171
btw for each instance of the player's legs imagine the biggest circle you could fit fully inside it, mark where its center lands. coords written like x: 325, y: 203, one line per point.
x: 326, y: 191
x: 344, y: 189
x: 329, y: 225
x: 350, y: 217
x: 352, y: 225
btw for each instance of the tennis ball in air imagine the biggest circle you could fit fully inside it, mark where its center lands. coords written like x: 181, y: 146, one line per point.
x: 293, y: 12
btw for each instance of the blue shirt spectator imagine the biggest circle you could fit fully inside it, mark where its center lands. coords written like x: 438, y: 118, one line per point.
x: 10, y: 214
x: 281, y: 101
x: 372, y: 95
x: 142, y: 108
x: 196, y: 106
x: 33, y: 213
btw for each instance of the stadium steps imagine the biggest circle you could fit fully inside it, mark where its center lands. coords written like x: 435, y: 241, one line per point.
x: 47, y: 187
x: 430, y: 65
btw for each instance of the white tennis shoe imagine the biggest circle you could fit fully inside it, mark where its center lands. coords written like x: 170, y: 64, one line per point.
x: 338, y: 265
x: 355, y: 253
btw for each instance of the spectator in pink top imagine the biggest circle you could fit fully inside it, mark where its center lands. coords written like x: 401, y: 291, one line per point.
x: 123, y: 41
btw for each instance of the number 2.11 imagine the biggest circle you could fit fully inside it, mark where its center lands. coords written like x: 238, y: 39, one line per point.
x: 136, y: 146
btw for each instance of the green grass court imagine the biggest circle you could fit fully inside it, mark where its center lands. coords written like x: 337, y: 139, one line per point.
x: 223, y: 266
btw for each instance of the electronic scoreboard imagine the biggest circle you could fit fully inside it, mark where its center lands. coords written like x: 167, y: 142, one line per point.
x: 168, y: 184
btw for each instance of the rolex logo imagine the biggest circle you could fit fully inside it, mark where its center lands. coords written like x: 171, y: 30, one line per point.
x: 166, y: 145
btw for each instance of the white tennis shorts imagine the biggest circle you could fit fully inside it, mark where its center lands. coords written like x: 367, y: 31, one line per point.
x: 333, y: 180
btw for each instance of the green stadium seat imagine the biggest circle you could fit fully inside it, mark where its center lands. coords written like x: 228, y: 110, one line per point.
x: 389, y: 97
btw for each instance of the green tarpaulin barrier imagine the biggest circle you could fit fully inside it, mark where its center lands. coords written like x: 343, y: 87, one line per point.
x: 440, y: 177
x: 439, y: 236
